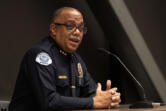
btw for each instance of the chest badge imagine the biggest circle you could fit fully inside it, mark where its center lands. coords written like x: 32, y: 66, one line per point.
x: 43, y: 59
x: 80, y: 71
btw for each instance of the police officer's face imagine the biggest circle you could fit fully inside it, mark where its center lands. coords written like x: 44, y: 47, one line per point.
x: 69, y: 36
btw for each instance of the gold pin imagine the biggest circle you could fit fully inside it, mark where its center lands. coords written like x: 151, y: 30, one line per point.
x: 72, y: 86
x: 62, y: 77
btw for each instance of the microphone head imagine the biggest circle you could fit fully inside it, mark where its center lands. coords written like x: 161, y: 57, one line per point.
x: 107, y: 52
x: 103, y: 51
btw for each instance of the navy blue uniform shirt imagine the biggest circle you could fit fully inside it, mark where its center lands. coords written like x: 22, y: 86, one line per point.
x: 45, y: 82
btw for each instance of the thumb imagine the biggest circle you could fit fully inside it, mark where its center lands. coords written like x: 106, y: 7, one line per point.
x: 108, y: 85
x: 98, y: 87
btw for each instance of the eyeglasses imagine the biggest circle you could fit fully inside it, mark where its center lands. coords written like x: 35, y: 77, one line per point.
x: 73, y: 27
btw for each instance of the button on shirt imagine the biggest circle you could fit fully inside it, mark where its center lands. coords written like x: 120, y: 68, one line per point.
x: 45, y: 81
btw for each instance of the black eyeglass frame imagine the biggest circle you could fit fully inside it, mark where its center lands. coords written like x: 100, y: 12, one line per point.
x: 70, y: 28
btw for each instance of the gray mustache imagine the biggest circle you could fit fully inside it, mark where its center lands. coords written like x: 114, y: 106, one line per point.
x: 75, y: 38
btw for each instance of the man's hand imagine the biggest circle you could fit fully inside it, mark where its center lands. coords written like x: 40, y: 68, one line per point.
x: 106, y: 99
x: 102, y: 98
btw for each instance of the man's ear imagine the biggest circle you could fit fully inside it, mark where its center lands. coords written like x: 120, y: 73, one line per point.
x: 53, y: 29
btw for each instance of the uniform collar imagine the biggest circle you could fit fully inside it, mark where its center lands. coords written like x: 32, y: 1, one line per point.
x: 57, y: 46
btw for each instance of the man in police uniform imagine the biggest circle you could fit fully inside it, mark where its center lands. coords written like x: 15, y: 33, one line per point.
x: 54, y: 77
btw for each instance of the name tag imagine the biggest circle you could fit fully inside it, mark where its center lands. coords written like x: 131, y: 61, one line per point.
x: 62, y: 77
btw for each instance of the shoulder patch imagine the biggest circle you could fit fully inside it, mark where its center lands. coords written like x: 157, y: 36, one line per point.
x: 43, y: 59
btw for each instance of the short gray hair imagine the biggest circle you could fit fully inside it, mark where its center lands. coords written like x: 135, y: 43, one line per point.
x: 58, y: 12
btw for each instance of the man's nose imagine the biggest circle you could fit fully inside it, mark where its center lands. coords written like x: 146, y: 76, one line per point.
x: 77, y: 31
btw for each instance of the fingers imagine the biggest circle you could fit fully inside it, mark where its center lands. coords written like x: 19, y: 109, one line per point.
x: 116, y: 98
x: 98, y: 87
x: 113, y: 91
x: 114, y: 105
x: 108, y: 85
x: 115, y: 101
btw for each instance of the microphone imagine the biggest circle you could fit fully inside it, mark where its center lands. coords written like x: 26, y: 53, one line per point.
x: 144, y: 103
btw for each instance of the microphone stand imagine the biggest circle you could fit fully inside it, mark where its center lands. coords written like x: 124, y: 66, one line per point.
x: 144, y: 103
